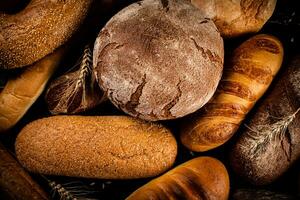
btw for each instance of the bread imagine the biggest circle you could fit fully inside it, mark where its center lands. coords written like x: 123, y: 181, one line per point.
x: 15, y: 181
x: 22, y: 91
x: 107, y: 147
x: 239, y: 17
x: 271, y: 143
x: 37, y: 30
x: 159, y: 60
x: 248, y: 74
x: 199, y: 178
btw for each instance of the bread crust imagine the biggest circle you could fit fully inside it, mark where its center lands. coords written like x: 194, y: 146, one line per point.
x: 239, y: 17
x: 22, y: 91
x: 106, y: 147
x: 159, y: 60
x: 262, y: 163
x: 199, y: 178
x: 15, y: 181
x: 247, y: 75
x: 38, y: 29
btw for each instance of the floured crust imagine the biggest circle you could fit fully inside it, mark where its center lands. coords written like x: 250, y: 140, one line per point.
x: 37, y: 30
x: 159, y: 60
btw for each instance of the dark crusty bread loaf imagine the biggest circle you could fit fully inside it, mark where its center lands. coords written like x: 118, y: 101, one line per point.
x: 15, y: 181
x: 199, y: 178
x: 271, y: 144
x: 38, y: 29
x: 248, y: 74
x: 159, y: 60
x: 107, y: 147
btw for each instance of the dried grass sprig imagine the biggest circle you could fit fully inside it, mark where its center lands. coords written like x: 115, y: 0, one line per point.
x: 266, y: 134
x: 68, y: 191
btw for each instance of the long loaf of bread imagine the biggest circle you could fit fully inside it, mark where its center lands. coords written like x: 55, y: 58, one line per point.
x: 15, y: 182
x: 199, y: 178
x: 21, y: 92
x: 247, y: 76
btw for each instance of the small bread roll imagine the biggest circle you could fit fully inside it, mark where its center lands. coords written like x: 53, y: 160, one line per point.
x: 238, y: 17
x: 159, y: 60
x: 107, y: 147
x: 38, y: 29
x: 200, y: 178
x: 22, y: 91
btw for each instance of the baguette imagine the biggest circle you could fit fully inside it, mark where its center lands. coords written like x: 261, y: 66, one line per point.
x: 21, y: 92
x: 270, y: 144
x: 247, y: 76
x: 107, y: 147
x: 200, y: 178
x: 15, y: 181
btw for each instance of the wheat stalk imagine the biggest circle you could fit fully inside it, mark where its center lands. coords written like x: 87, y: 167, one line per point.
x: 265, y: 134
x: 68, y: 191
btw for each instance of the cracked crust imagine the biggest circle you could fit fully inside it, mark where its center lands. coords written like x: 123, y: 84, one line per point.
x: 38, y: 29
x: 239, y: 17
x: 106, y: 147
x: 276, y: 156
x: 164, y: 67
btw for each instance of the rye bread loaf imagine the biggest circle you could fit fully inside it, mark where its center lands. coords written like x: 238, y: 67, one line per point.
x: 159, y: 60
x: 271, y: 143
x: 107, y: 147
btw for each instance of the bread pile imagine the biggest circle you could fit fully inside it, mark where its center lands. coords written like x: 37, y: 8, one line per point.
x: 176, y: 87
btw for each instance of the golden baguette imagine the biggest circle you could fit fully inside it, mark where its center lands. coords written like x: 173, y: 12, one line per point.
x: 21, y: 92
x: 199, y: 178
x: 247, y: 76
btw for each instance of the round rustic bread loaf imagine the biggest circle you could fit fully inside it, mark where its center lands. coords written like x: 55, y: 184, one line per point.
x: 159, y: 60
x: 106, y: 147
x: 38, y: 29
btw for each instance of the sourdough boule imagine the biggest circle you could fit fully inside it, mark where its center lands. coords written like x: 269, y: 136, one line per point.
x: 159, y: 60
x: 106, y: 147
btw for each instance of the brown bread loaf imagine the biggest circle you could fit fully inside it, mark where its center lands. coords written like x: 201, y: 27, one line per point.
x: 22, y: 91
x: 271, y: 143
x: 38, y: 29
x: 107, y: 147
x: 199, y: 178
x: 15, y: 182
x: 248, y: 74
x: 159, y: 60
x: 239, y: 17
